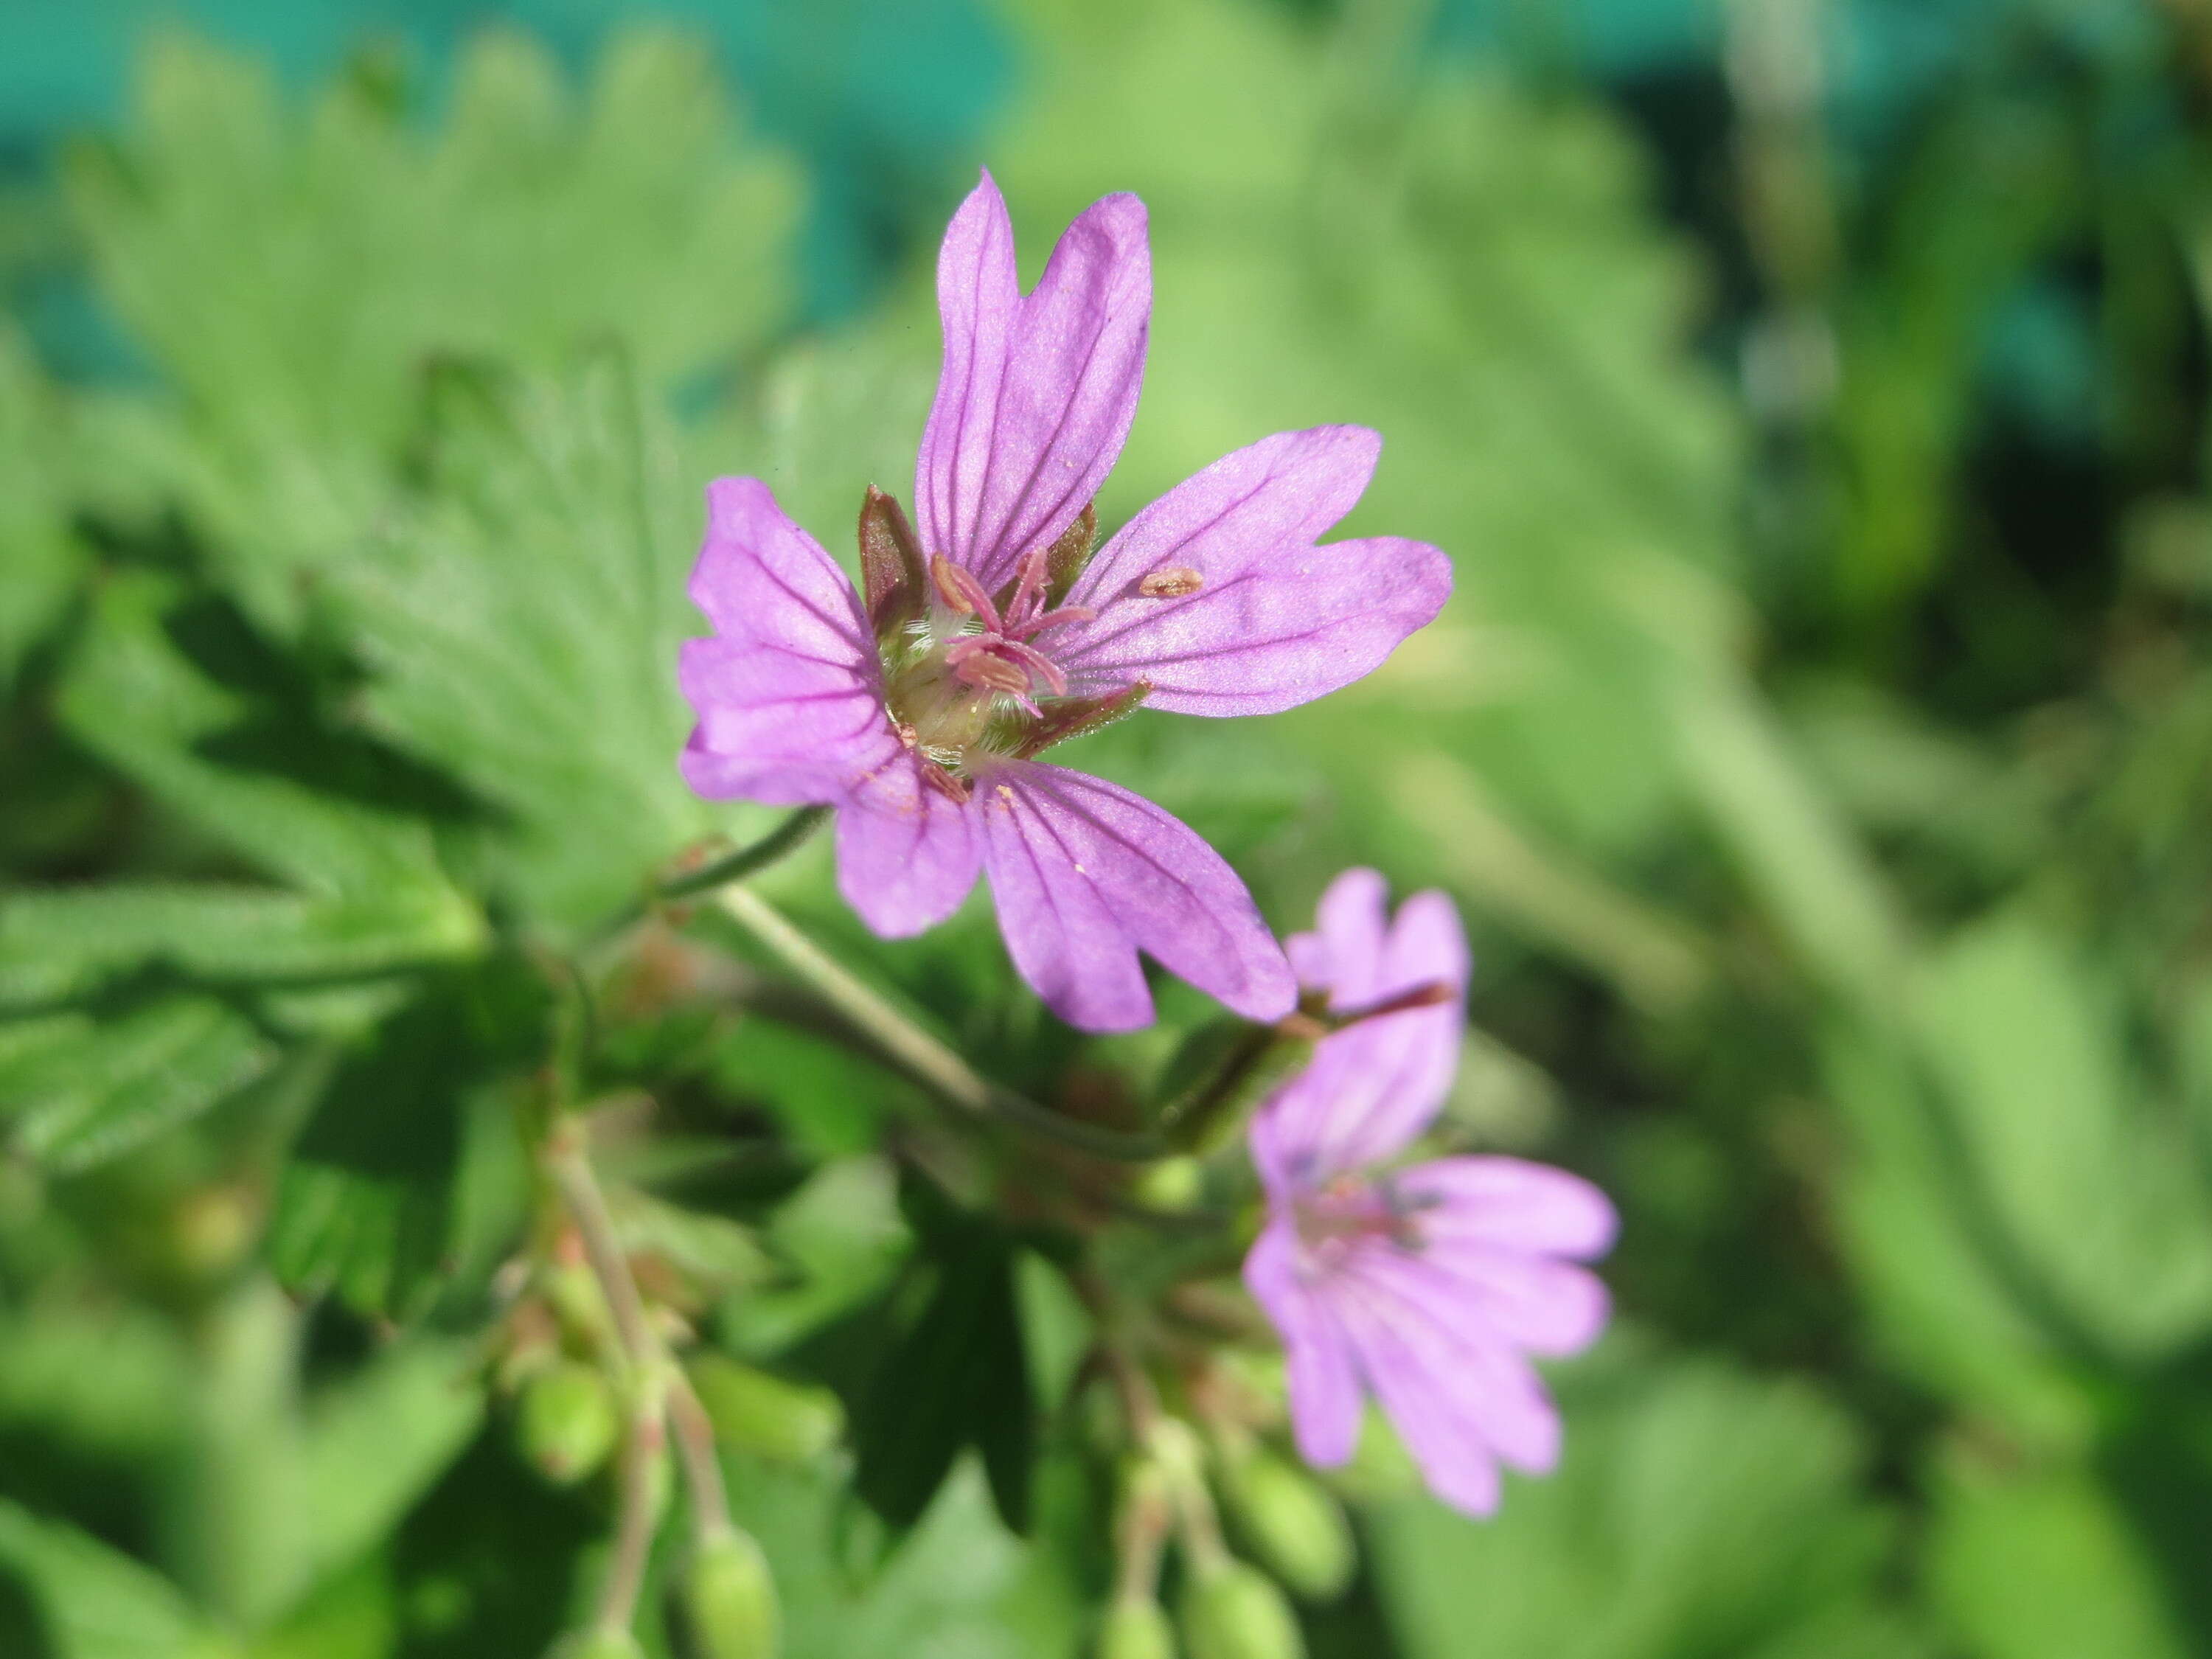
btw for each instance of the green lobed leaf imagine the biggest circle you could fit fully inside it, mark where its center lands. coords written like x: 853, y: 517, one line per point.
x: 401, y: 1178
x: 141, y: 695
x: 79, y: 1091
x: 2045, y: 1565
x: 40, y: 563
x: 371, y: 1446
x: 291, y: 270
x: 68, y: 942
x: 1696, y: 1510
x: 958, y: 1376
x: 2025, y: 1042
x: 97, y: 1602
x: 521, y: 619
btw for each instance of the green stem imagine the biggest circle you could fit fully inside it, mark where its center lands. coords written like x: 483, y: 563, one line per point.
x: 921, y: 1056
x: 587, y: 1207
x: 792, y: 833
x: 635, y: 1519
x: 662, y: 1398
x: 703, y: 1468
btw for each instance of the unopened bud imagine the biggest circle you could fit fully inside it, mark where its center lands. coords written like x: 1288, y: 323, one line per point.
x: 754, y: 1412
x: 574, y: 1297
x: 1173, y: 1183
x: 1299, y: 1528
x: 568, y: 1421
x: 1134, y: 1627
x: 602, y: 1642
x: 726, y: 1602
x: 210, y: 1232
x: 1232, y: 1611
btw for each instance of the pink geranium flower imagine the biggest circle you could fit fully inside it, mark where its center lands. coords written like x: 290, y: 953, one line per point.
x: 990, y: 632
x: 1429, y: 1285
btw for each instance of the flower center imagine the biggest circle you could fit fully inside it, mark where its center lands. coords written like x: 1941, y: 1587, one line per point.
x: 1350, y: 1210
x: 967, y: 676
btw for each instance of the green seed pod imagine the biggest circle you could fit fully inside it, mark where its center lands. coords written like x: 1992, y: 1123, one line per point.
x: 1134, y: 1627
x: 725, y: 1601
x: 598, y: 1643
x: 1230, y: 1611
x: 1296, y: 1526
x: 568, y: 1421
x: 754, y: 1412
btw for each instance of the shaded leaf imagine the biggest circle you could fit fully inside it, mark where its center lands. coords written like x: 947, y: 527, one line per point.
x: 99, y: 1604
x: 87, y: 1091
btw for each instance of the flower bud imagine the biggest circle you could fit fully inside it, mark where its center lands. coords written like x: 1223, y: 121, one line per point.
x: 568, y: 1421
x: 1232, y: 1611
x: 1297, y: 1528
x: 1173, y: 1183
x: 1134, y: 1627
x: 574, y: 1295
x: 725, y: 1601
x: 601, y: 1642
x: 755, y: 1412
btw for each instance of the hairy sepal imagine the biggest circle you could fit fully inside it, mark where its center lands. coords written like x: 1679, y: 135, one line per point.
x: 1075, y: 717
x: 892, y: 576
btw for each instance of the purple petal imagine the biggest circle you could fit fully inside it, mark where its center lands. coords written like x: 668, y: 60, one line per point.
x: 1540, y: 1306
x: 788, y: 694
x: 1037, y: 393
x: 1512, y: 1204
x: 1323, y: 1384
x: 1462, y: 1400
x: 907, y: 854
x: 1344, y: 955
x: 1375, y: 1085
x: 1276, y: 621
x: 1086, y: 874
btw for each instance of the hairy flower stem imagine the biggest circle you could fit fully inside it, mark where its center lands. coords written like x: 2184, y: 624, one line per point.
x: 636, y: 1516
x: 785, y: 837
x: 923, y: 1056
x: 703, y: 1468
x: 662, y: 1395
x: 578, y: 1186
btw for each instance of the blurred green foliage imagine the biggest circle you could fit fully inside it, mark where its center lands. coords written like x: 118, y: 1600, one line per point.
x: 1820, y: 745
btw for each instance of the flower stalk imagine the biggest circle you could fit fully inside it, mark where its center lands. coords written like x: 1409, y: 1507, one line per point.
x: 662, y: 1399
x: 914, y: 1050
x: 787, y: 838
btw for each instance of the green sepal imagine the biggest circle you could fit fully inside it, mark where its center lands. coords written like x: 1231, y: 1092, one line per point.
x: 602, y: 1642
x: 1295, y: 1525
x: 1134, y: 1627
x: 567, y: 1422
x: 1065, y: 560
x: 726, y: 1602
x: 755, y: 1412
x: 892, y: 571
x: 1232, y: 1611
x: 1076, y: 717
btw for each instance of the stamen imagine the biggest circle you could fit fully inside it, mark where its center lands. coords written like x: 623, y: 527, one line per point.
x: 1170, y: 581
x: 969, y: 646
x: 962, y: 591
x: 992, y: 673
x: 1040, y: 665
x: 1030, y: 588
x: 1036, y: 625
x: 1349, y: 1210
x: 943, y: 782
